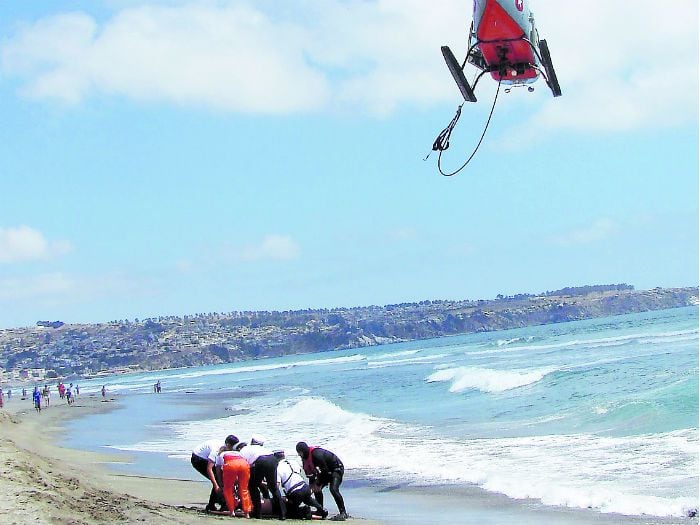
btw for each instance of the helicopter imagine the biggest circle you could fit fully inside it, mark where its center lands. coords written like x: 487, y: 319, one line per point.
x: 504, y: 42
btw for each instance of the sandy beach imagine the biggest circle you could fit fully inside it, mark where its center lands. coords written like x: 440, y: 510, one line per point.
x: 43, y: 482
x: 46, y: 481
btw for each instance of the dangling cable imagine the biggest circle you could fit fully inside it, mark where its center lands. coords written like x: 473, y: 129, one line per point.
x: 442, y: 142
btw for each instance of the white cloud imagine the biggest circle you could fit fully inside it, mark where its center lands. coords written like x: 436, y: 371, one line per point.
x: 184, y: 265
x: 406, y: 233
x: 63, y: 288
x: 387, y: 52
x: 39, y: 286
x: 463, y: 249
x: 231, y: 58
x: 599, y: 230
x: 621, y: 66
x: 304, y: 57
x: 271, y: 248
x: 22, y: 244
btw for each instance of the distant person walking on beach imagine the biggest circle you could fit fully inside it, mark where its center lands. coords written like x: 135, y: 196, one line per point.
x: 77, y: 389
x: 2, y: 401
x: 24, y: 393
x: 46, y: 394
x: 69, y: 395
x: 203, y: 460
x: 104, y: 391
x: 61, y: 390
x: 324, y: 468
x: 36, y: 396
x: 9, y: 394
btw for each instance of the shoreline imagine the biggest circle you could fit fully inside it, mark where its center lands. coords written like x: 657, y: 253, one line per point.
x: 52, y: 481
x: 47, y: 481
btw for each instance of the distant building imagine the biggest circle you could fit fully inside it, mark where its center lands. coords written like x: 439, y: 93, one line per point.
x: 50, y: 324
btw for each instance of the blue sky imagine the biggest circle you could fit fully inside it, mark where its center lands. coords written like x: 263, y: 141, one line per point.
x: 180, y: 157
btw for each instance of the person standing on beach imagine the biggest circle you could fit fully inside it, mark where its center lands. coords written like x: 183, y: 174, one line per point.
x: 263, y: 466
x: 203, y: 460
x: 324, y: 468
x: 104, y: 391
x: 46, y: 394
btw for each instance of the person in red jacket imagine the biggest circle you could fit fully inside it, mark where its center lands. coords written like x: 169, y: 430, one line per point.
x: 324, y: 468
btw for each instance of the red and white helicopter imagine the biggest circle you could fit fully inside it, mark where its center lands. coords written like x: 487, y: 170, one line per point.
x: 504, y: 42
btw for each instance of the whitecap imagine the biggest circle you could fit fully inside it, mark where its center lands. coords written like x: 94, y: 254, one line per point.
x: 402, y: 362
x: 389, y: 355
x: 486, y: 379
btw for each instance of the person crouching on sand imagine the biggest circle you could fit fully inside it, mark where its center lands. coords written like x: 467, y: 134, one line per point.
x: 203, y: 461
x: 296, y: 489
x: 263, y: 466
x: 324, y: 468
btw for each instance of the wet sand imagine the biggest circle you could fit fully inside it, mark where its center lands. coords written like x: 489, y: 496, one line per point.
x: 44, y: 480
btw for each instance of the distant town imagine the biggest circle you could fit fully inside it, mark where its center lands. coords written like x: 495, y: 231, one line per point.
x: 55, y: 349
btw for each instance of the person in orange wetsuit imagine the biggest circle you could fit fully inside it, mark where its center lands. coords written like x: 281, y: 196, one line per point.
x: 235, y: 471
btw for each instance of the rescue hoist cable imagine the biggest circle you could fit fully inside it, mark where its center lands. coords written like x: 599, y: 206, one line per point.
x: 442, y: 142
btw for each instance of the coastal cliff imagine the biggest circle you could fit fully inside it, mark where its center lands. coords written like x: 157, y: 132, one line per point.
x: 57, y: 349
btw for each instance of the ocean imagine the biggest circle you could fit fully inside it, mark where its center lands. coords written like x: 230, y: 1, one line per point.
x: 599, y: 414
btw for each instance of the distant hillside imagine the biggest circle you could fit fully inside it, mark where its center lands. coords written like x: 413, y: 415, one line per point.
x: 167, y: 342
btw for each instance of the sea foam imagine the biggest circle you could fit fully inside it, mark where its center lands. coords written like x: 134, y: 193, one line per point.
x: 487, y: 380
x: 628, y: 475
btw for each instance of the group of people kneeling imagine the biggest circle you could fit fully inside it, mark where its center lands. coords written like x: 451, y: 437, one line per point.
x: 249, y: 480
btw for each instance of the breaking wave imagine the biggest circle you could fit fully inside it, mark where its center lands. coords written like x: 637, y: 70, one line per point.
x: 486, y: 379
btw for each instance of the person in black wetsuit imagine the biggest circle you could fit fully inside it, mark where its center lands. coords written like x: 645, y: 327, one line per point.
x: 324, y: 468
